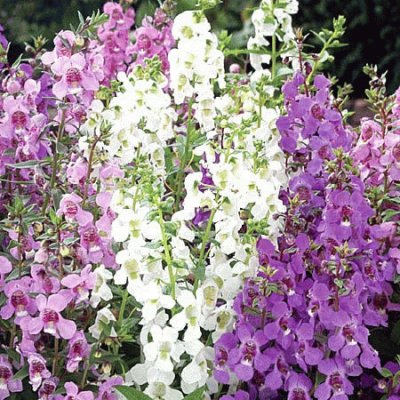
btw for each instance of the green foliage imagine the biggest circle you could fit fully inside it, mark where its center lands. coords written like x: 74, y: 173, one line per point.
x: 132, y: 394
x: 372, y: 34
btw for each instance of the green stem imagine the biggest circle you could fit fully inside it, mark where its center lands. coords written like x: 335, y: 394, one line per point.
x: 123, y: 305
x: 200, y: 273
x: 54, y: 163
x: 182, y: 165
x: 273, y: 57
x: 89, y: 169
x: 168, y: 258
x: 55, y: 359
x: 317, y: 62
x: 85, y: 372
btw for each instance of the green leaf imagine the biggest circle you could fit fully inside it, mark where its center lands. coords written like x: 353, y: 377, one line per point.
x: 22, y: 373
x: 196, y: 395
x: 132, y: 394
x: 386, y: 373
x: 25, y: 164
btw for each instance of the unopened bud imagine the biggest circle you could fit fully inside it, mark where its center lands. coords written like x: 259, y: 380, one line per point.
x: 64, y: 251
x: 234, y: 68
x: 79, y: 41
x: 106, y: 368
x: 38, y: 227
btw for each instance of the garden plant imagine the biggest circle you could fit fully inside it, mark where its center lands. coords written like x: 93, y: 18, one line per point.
x: 180, y: 219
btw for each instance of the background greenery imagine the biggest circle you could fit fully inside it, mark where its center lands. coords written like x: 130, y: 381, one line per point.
x: 373, y: 32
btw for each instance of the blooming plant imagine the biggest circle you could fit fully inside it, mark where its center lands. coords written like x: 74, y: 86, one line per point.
x: 172, y: 228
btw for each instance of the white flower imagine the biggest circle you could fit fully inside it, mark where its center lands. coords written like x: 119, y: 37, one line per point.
x: 148, y: 372
x: 161, y: 391
x: 189, y: 24
x: 129, y: 272
x: 188, y: 317
x: 103, y: 318
x: 101, y: 290
x: 164, y: 349
x: 152, y: 298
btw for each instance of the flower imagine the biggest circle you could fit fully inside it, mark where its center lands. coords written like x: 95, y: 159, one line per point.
x: 164, y: 347
x: 73, y: 392
x: 37, y: 370
x: 7, y: 382
x: 80, y: 285
x: 336, y: 385
x: 69, y: 206
x: 78, y: 350
x: 50, y: 319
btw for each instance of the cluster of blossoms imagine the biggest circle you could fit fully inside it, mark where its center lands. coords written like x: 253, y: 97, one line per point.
x: 303, y: 327
x: 271, y: 20
x: 188, y: 236
x: 176, y: 230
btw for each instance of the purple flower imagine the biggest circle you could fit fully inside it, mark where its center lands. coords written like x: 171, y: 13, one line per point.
x: 299, y: 387
x: 349, y: 334
x: 78, y: 350
x: 106, y: 389
x: 81, y: 284
x: 248, y: 356
x: 50, y: 319
x: 7, y: 382
x: 336, y: 386
x: 223, y: 347
x: 37, y: 370
x: 74, y: 394
x: 70, y: 207
x: 239, y: 395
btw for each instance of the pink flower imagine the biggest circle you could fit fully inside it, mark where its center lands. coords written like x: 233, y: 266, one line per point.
x: 17, y: 116
x: 37, y: 370
x: 78, y: 350
x: 90, y: 240
x: 107, y: 391
x: 48, y: 388
x: 63, y: 43
x: 50, y: 319
x: 42, y: 281
x: 74, y: 76
x: 69, y: 206
x: 77, y: 171
x: 7, y: 383
x: 74, y: 394
x: 80, y: 284
x: 18, y: 303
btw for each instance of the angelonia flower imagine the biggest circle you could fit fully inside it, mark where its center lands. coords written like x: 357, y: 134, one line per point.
x: 328, y: 277
x: 186, y: 227
x: 272, y: 21
x: 194, y: 64
x: 224, y: 193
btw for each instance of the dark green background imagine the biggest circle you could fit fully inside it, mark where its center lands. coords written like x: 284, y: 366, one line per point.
x: 373, y: 31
